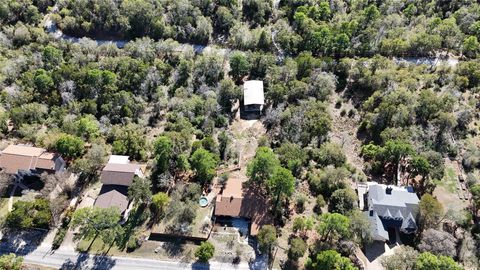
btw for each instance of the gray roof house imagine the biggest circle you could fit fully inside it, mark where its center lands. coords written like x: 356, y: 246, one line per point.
x: 389, y: 207
x: 116, y: 177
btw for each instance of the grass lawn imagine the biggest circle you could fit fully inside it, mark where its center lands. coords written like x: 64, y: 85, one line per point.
x: 3, y: 207
x: 449, y: 181
x: 185, y: 251
x: 202, y: 214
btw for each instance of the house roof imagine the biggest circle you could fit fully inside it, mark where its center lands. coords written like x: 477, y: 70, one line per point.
x: 399, y: 196
x: 22, y: 157
x: 120, y: 174
x: 46, y: 161
x: 119, y: 159
x: 392, y: 206
x: 378, y: 230
x: 253, y: 93
x: 239, y: 201
x: 113, y: 196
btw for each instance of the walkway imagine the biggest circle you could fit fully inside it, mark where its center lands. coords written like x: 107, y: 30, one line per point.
x: 12, y: 193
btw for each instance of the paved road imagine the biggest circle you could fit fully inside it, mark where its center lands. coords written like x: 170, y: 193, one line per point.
x: 68, y: 260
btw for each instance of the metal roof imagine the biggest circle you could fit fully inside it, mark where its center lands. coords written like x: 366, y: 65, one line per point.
x: 253, y: 93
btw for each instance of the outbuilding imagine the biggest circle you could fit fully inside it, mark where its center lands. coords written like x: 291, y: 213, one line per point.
x: 253, y: 96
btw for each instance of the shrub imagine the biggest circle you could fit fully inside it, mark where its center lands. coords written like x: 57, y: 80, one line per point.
x: 320, y: 202
x: 205, y: 252
x: 58, y: 240
x: 301, y: 200
x: 298, y: 247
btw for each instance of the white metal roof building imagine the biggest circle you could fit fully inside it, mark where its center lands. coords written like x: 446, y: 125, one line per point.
x: 253, y: 95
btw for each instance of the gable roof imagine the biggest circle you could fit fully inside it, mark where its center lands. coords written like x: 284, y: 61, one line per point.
x: 399, y: 197
x: 113, y: 196
x: 395, y: 208
x: 253, y: 93
x: 23, y: 157
x: 119, y: 174
x: 378, y: 230
x: 119, y: 159
x: 239, y: 201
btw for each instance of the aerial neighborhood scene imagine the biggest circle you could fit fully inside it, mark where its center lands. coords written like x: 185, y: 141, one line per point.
x: 240, y: 134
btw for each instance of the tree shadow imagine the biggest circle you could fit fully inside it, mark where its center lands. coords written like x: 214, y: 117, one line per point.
x: 135, y: 219
x: 174, y: 248
x: 200, y: 266
x: 80, y: 263
x: 22, y: 242
x: 103, y: 263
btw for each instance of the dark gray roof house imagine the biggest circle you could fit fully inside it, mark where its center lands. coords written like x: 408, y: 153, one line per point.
x: 389, y: 207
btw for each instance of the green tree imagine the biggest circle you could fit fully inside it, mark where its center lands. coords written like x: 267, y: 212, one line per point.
x: 428, y: 261
x: 298, y: 247
x: 11, y: 262
x: 239, y: 66
x: 204, y: 164
x: 330, y: 154
x: 94, y: 222
x: 282, y: 183
x: 69, y: 146
x: 330, y: 260
x: 87, y: 127
x: 205, y: 251
x: 263, y: 165
x: 475, y: 190
x: 29, y: 215
x: 160, y: 201
x: 140, y: 191
x: 130, y: 140
x: 163, y: 149
x: 267, y: 238
x: 291, y: 156
x: 403, y: 259
x: 333, y: 227
x: 471, y: 46
x: 342, y: 201
x: 431, y: 211
x: 51, y: 57
x: 360, y: 227
x: 395, y: 150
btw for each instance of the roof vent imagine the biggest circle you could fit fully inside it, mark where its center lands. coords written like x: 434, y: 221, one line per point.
x: 388, y: 190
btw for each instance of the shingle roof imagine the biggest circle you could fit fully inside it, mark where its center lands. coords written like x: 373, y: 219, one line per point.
x: 113, y: 196
x: 396, y: 209
x: 22, y: 157
x: 377, y: 227
x: 119, y: 174
x: 253, y: 93
x: 239, y: 201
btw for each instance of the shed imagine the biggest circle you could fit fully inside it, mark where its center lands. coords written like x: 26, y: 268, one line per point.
x: 253, y: 96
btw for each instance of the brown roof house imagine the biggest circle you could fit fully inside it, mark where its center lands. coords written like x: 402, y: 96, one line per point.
x: 24, y: 158
x: 238, y: 201
x: 116, y: 177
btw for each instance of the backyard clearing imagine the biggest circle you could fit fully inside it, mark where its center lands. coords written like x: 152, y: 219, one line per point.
x: 447, y: 190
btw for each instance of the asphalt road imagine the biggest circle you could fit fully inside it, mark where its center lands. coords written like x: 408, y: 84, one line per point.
x: 67, y: 260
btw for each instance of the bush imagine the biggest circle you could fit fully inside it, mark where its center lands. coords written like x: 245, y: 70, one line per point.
x: 205, y: 252
x: 133, y: 242
x: 298, y: 247
x: 58, y: 240
x: 301, y: 200
x: 29, y: 215
x: 320, y: 202
x: 69, y: 146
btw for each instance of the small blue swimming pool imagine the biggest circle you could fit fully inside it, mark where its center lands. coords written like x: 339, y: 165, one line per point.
x: 203, y: 201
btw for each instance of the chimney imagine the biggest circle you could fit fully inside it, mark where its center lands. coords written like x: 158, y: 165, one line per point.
x: 388, y: 190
